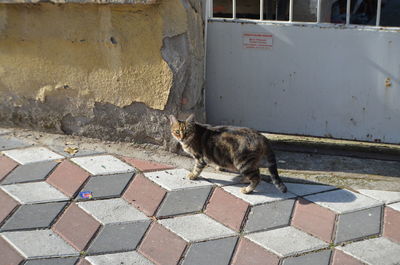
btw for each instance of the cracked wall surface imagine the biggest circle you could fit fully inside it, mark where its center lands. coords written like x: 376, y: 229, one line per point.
x: 108, y: 71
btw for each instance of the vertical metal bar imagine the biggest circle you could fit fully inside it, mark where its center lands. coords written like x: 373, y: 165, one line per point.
x: 378, y: 13
x: 234, y: 9
x: 291, y: 11
x: 211, y: 8
x: 348, y: 12
x: 319, y: 11
x: 261, y: 9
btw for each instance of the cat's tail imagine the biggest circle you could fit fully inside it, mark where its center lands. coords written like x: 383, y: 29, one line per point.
x: 273, y: 168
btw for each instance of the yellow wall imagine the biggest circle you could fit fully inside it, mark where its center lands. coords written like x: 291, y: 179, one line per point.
x: 66, y: 51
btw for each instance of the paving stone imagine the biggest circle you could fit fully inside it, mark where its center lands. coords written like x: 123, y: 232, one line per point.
x: 80, y: 152
x: 184, y: 201
x: 377, y: 251
x: 32, y: 155
x: 128, y: 258
x: 307, y: 189
x: 8, y: 254
x: 68, y: 178
x: 146, y: 166
x: 357, y: 216
x: 33, y: 216
x: 380, y: 195
x: 107, y: 186
x: 205, y: 228
x: 57, y: 261
x: 392, y: 222
x: 7, y: 143
x: 4, y: 131
x: 221, y: 179
x: 340, y: 258
x: 76, y: 227
x: 264, y: 193
x: 216, y: 252
x: 31, y: 172
x: 162, y: 246
x: 220, y: 208
x: 34, y: 192
x: 7, y: 205
x: 39, y: 244
x: 102, y: 165
x: 144, y: 194
x: 316, y: 258
x: 287, y: 241
x: 249, y: 253
x: 6, y: 166
x: 358, y: 224
x: 269, y: 216
x: 84, y: 262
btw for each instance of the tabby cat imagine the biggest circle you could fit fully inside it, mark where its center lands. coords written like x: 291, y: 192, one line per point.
x: 231, y: 148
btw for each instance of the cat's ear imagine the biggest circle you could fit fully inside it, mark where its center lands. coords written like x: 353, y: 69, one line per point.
x: 172, y: 119
x: 190, y: 118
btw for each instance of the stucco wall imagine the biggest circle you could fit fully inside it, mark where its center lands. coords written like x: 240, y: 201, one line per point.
x: 107, y: 71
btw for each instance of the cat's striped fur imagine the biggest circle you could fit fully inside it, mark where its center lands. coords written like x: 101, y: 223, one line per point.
x: 236, y: 149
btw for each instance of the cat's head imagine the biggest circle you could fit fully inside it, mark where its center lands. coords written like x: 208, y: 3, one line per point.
x: 182, y: 130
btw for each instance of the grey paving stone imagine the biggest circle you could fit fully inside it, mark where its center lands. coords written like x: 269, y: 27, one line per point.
x: 307, y: 189
x: 184, y: 201
x: 118, y: 237
x: 270, y: 215
x: 381, y: 195
x: 127, y: 258
x: 107, y: 186
x: 215, y: 252
x: 58, y: 261
x: 80, y: 152
x: 343, y: 201
x: 358, y: 224
x: 7, y: 143
x: 33, y: 216
x: 221, y: 179
x: 314, y: 258
x: 30, y: 172
x: 377, y: 251
x: 32, y: 155
x: 197, y: 227
x: 287, y: 241
x: 39, y: 244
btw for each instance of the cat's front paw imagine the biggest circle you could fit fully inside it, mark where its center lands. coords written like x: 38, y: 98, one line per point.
x: 246, y: 190
x: 192, y: 176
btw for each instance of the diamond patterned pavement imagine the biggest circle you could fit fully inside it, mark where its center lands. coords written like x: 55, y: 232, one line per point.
x: 100, y: 209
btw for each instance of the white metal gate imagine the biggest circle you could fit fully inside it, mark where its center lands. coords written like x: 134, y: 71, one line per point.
x: 305, y: 78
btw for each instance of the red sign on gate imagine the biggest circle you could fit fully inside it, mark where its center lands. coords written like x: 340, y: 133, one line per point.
x: 257, y: 41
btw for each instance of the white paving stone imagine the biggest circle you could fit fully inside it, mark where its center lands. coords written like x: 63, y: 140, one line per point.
x: 343, y: 201
x: 175, y: 179
x: 377, y: 251
x: 39, y: 244
x: 265, y: 192
x: 32, y: 155
x: 198, y: 227
x: 221, y: 179
x: 126, y: 258
x: 103, y: 165
x: 381, y: 195
x: 287, y: 241
x: 395, y: 206
x: 112, y: 211
x: 4, y: 131
x: 307, y: 189
x: 35, y: 192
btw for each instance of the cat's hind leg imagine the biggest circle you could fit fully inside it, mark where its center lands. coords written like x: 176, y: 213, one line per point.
x: 253, y: 176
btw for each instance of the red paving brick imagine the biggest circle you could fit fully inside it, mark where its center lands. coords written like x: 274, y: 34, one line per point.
x: 314, y: 219
x: 83, y: 262
x: 391, y: 226
x: 162, y: 246
x: 144, y: 194
x: 249, y: 253
x: 227, y: 209
x: 7, y: 204
x: 76, y: 227
x: 340, y: 258
x: 8, y: 255
x: 68, y: 177
x: 146, y: 166
x: 6, y: 166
